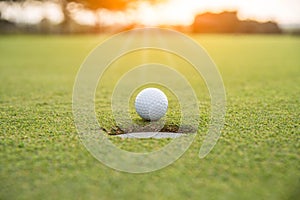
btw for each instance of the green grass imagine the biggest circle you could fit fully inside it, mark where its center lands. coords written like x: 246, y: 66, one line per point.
x: 257, y: 156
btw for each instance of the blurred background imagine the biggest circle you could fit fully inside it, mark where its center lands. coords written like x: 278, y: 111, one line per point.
x: 194, y: 16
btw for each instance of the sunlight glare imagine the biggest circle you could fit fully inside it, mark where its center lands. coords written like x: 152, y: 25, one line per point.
x: 147, y: 15
x: 31, y: 12
x: 170, y: 12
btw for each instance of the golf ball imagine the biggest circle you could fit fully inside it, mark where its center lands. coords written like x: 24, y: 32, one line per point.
x: 151, y: 104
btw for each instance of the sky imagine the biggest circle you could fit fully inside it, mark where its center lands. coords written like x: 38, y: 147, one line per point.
x: 174, y: 12
x: 282, y: 11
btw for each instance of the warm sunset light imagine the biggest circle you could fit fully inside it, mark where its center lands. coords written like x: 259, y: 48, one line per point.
x: 182, y: 11
x: 150, y: 99
x: 175, y: 12
x: 169, y: 12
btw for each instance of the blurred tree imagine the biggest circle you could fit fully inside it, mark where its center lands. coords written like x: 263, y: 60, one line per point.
x: 92, y: 5
x: 108, y: 4
x: 111, y: 4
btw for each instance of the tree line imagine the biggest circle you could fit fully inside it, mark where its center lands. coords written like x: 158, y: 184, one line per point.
x: 225, y: 22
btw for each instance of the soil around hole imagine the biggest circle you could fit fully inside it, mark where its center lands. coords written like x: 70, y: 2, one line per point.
x: 116, y: 130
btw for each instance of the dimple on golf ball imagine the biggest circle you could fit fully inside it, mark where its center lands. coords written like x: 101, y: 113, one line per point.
x: 151, y: 104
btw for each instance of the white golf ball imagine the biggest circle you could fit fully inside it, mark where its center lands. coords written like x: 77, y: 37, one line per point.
x: 151, y: 104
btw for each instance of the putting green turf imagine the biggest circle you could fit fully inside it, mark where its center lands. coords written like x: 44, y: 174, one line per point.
x: 257, y: 156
